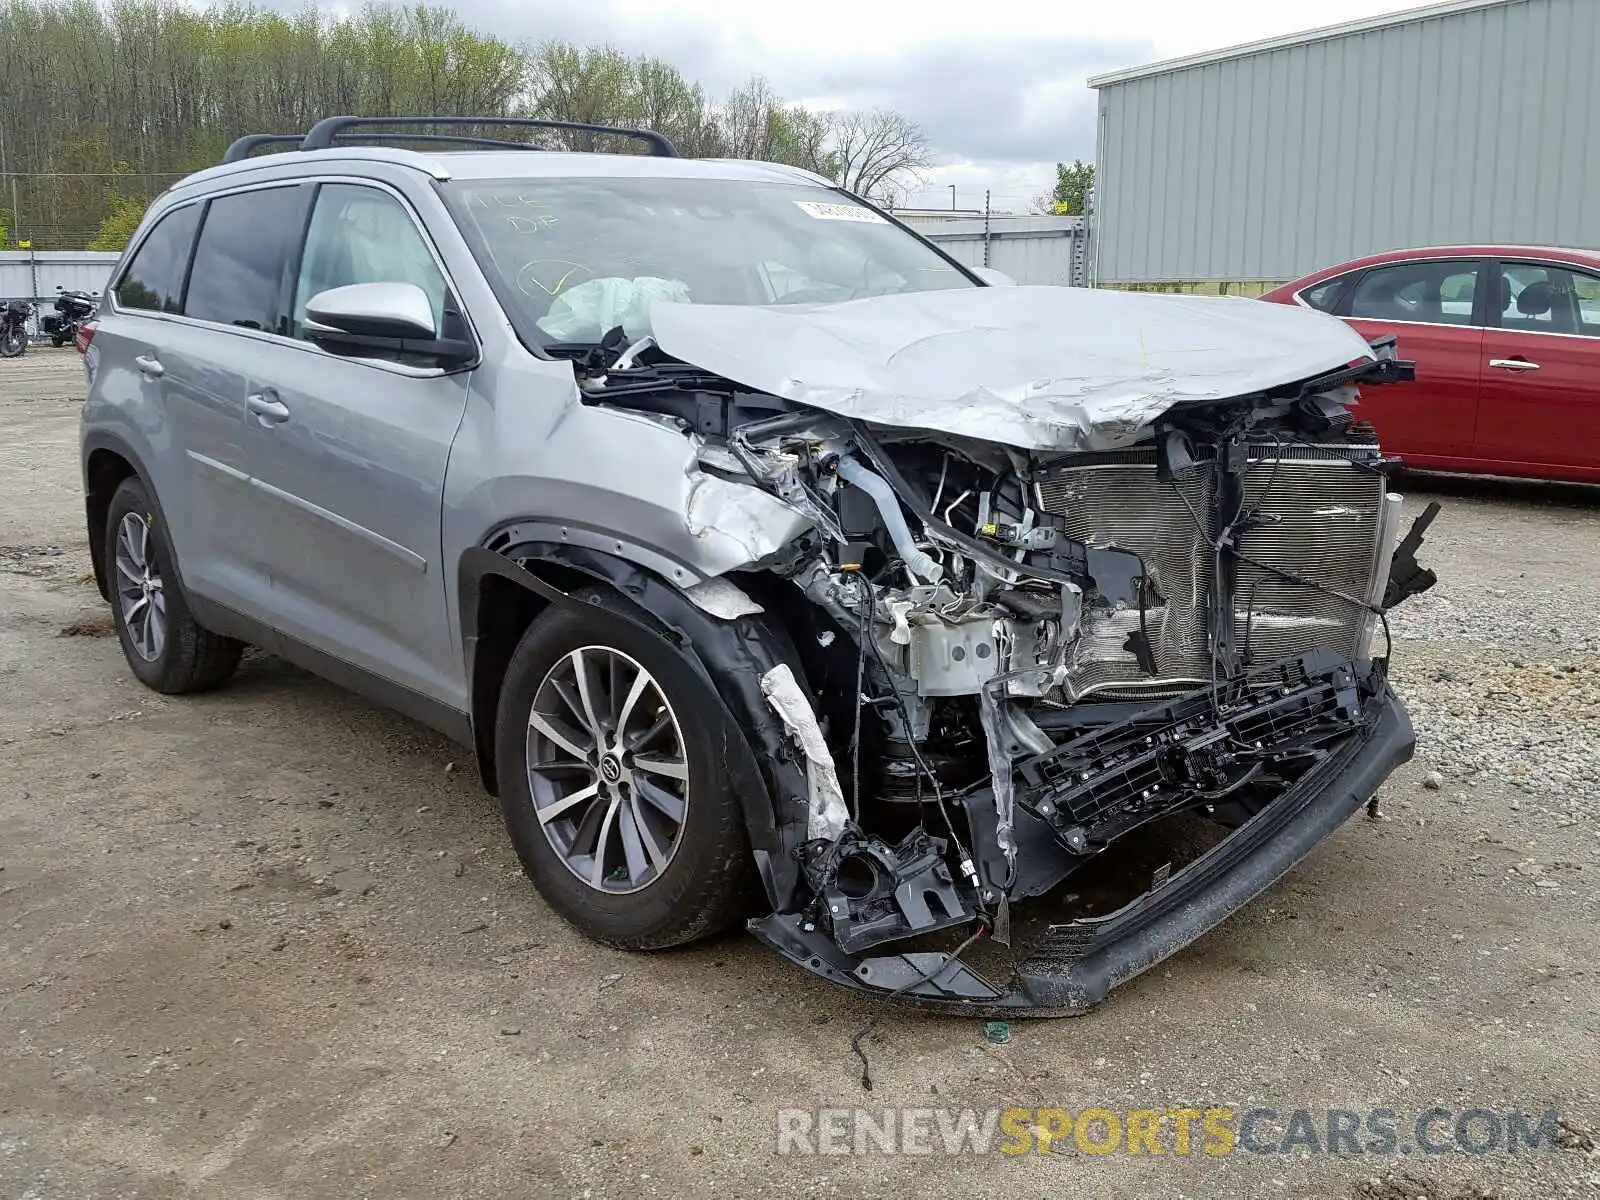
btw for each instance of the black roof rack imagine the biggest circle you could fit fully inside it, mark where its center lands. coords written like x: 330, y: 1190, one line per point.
x: 347, y: 130
x: 251, y: 142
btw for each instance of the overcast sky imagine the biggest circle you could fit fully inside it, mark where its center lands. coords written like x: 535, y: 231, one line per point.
x: 999, y: 87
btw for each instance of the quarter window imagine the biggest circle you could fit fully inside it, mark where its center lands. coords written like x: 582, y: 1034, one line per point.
x: 364, y: 235
x: 153, y: 281
x: 245, y: 242
x: 1434, y: 293
x: 1538, y: 299
x: 1325, y: 295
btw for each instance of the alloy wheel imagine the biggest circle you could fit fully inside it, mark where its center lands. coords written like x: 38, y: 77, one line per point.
x: 140, y: 594
x: 607, y: 769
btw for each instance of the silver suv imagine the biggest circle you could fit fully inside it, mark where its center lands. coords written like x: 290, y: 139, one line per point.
x: 777, y: 566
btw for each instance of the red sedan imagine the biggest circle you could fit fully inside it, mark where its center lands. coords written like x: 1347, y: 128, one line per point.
x: 1507, y: 345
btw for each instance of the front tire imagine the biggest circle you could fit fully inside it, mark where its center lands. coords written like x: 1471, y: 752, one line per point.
x: 610, y: 763
x: 166, y: 648
x: 13, y: 343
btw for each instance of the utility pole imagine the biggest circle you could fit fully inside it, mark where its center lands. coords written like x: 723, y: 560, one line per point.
x: 952, y: 197
x: 5, y: 168
x: 986, y: 227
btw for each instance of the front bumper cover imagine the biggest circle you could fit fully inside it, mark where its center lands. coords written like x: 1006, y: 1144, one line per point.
x: 1073, y: 966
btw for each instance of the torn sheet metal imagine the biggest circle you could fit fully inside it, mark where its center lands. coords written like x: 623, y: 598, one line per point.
x: 828, y: 812
x: 1042, y: 368
x: 722, y: 511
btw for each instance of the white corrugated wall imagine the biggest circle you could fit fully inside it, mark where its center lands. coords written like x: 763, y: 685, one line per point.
x: 1030, y: 249
x: 1475, y: 126
x: 29, y: 275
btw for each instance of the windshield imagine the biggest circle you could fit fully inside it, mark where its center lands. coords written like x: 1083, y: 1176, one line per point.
x: 572, y: 259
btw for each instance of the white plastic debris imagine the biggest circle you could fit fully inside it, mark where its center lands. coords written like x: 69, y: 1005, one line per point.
x: 721, y: 599
x: 828, y: 812
x: 995, y: 739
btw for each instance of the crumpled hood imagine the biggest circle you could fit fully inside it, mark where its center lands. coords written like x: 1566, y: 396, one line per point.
x: 1041, y: 368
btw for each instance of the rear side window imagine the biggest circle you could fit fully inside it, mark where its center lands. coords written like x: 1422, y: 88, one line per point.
x: 153, y: 281
x: 246, y: 241
x: 1434, y: 293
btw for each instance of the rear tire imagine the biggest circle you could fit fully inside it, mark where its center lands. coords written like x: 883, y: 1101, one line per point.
x: 167, y: 649
x: 655, y: 854
x: 13, y: 344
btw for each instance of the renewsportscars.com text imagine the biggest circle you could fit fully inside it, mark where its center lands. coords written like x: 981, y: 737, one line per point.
x: 1215, y: 1130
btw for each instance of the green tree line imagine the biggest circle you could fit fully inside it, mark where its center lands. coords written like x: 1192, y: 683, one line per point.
x: 104, y: 105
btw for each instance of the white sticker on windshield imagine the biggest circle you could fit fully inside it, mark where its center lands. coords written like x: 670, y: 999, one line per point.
x: 839, y: 212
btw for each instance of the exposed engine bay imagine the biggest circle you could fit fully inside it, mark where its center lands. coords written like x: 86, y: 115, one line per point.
x: 1015, y: 657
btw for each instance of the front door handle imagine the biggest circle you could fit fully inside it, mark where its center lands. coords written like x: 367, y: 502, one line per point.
x: 150, y: 366
x: 1513, y: 364
x: 269, y: 410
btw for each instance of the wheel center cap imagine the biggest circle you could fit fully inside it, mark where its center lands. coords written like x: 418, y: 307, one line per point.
x: 610, y: 768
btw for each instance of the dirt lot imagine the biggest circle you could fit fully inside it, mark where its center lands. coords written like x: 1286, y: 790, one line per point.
x: 272, y: 941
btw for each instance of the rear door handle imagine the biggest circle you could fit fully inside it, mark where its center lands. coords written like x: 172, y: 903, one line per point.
x: 1513, y: 364
x: 269, y: 410
x: 150, y: 366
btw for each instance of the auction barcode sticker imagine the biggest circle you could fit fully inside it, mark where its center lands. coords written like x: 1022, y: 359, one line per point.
x: 838, y: 212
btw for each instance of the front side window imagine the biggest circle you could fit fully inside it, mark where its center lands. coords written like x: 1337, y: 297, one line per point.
x: 1435, y: 293
x: 1540, y: 299
x: 573, y: 259
x: 153, y: 281
x: 245, y: 241
x: 363, y: 235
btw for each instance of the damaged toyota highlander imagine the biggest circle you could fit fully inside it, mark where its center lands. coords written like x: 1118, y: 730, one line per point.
x: 778, y: 568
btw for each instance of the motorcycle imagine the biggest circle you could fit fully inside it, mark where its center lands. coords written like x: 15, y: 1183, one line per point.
x: 14, y: 328
x: 72, y: 309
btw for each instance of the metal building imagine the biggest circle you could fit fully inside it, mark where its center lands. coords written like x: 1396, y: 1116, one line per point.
x: 1464, y: 121
x: 1030, y: 249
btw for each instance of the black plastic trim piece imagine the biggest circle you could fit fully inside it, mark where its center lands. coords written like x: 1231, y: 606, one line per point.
x: 1077, y: 964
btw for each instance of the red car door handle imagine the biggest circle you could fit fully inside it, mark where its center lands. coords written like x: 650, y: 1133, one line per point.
x: 1513, y: 364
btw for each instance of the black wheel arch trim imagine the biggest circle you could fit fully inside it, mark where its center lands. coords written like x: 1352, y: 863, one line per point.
x: 730, y: 657
x: 100, y: 439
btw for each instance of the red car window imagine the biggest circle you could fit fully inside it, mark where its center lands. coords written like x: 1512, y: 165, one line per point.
x: 1544, y: 299
x: 1438, y: 293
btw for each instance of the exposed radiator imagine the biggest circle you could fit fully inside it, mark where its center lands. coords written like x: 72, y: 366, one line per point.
x: 1321, y: 514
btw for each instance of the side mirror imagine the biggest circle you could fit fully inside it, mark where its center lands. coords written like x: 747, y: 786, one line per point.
x: 370, y: 319
x: 993, y: 277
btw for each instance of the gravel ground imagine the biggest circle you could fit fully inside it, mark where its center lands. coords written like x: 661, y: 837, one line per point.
x: 271, y: 942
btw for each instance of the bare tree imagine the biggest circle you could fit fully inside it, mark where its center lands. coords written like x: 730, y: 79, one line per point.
x: 873, y: 148
x: 746, y: 118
